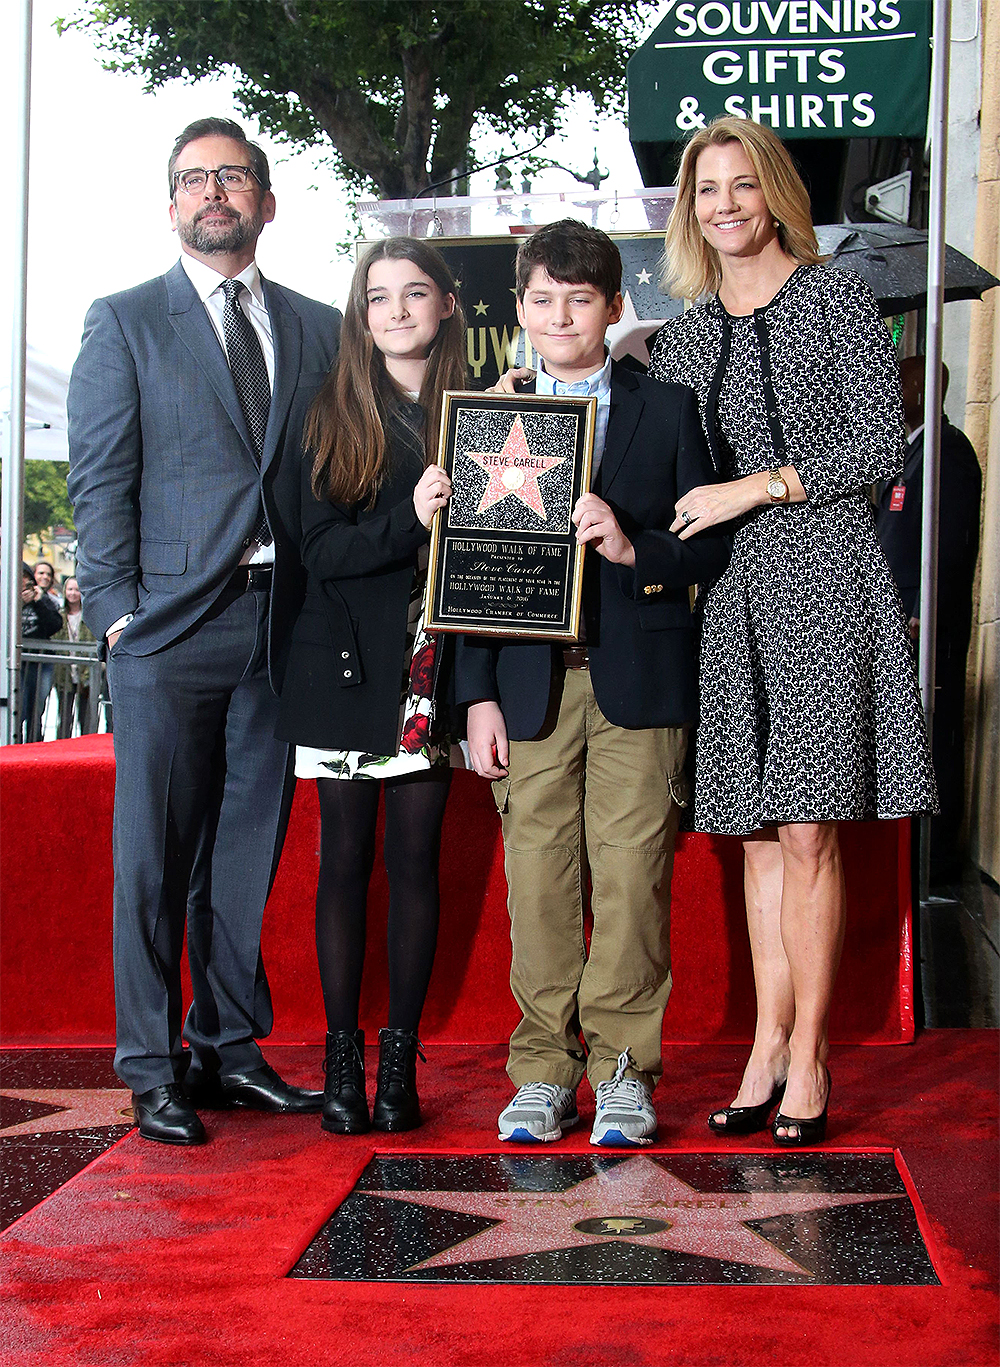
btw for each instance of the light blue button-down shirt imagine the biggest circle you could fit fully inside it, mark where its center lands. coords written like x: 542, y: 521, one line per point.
x: 597, y: 386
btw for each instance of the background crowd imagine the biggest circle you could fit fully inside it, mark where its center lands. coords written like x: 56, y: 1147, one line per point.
x: 59, y: 698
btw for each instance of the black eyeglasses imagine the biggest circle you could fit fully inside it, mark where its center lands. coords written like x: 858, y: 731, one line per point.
x: 228, y: 178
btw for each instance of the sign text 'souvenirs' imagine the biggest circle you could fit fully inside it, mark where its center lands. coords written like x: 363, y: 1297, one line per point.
x: 808, y: 68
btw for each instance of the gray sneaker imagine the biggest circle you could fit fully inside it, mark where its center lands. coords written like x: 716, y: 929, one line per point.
x: 625, y: 1117
x: 539, y: 1113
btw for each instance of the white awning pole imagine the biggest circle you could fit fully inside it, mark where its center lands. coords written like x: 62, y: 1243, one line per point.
x: 13, y: 463
x: 937, y: 128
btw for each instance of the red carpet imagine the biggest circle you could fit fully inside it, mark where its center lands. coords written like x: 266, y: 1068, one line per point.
x: 159, y: 1257
x: 57, y: 921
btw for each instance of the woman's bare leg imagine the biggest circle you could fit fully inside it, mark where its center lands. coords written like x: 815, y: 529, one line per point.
x: 762, y: 883
x: 813, y: 914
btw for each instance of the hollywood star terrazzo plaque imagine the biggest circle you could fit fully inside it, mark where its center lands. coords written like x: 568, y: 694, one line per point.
x: 642, y: 1219
x: 504, y: 559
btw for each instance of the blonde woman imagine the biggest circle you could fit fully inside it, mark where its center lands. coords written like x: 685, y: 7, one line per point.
x: 810, y: 713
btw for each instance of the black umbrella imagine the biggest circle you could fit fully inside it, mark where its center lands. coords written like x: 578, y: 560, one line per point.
x: 892, y: 258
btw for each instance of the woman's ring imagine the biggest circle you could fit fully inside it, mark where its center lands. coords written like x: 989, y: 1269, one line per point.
x: 687, y: 518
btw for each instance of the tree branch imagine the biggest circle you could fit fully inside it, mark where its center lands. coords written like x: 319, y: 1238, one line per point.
x: 418, y: 103
x: 391, y: 83
x: 451, y: 145
x: 343, y: 114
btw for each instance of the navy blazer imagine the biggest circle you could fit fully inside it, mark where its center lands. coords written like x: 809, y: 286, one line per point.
x: 640, y: 638
x: 163, y: 475
x: 341, y: 689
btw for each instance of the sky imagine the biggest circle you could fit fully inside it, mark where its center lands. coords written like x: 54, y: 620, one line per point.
x: 98, y: 195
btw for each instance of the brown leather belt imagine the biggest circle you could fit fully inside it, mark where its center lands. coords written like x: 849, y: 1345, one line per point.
x: 575, y: 657
x: 246, y: 577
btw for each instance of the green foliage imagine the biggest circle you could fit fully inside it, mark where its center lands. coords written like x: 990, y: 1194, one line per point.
x: 46, y: 503
x: 397, y: 88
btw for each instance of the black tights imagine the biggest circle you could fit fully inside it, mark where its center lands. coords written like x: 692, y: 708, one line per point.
x: 414, y: 809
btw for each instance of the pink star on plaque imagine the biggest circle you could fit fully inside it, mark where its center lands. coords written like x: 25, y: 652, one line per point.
x: 514, y: 470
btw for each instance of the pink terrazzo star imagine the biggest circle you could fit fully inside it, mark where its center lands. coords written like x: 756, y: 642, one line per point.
x: 82, y: 1108
x: 637, y: 1202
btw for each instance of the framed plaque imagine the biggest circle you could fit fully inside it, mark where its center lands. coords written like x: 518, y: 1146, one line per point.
x: 504, y: 559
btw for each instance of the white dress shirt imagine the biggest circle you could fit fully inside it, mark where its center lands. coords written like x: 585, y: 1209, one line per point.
x: 597, y: 386
x: 208, y: 285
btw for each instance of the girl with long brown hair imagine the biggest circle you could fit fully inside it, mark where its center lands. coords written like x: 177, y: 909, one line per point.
x: 363, y: 678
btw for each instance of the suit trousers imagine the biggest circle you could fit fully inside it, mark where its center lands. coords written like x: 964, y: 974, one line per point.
x: 588, y: 793
x: 202, y: 793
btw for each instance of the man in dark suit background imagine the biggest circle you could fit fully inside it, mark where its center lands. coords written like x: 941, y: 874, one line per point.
x: 898, y: 520
x: 188, y: 562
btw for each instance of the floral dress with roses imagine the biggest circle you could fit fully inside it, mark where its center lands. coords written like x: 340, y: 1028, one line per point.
x: 422, y: 742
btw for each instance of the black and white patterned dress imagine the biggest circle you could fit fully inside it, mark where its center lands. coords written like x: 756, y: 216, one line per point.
x: 810, y: 709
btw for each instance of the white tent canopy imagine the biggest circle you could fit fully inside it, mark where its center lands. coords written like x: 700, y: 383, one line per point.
x: 44, y: 408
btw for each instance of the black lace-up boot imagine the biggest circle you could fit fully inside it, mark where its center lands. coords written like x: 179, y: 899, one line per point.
x: 345, y: 1105
x: 396, y: 1104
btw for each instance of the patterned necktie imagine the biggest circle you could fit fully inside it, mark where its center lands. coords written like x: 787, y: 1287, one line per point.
x: 246, y: 361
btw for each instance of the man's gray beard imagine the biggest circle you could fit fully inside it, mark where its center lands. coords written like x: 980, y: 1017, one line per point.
x: 238, y: 233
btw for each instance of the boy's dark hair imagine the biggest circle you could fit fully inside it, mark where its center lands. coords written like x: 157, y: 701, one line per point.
x: 572, y: 253
x: 221, y: 128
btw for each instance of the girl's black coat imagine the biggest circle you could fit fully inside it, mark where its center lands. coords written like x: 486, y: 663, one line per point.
x: 345, y: 666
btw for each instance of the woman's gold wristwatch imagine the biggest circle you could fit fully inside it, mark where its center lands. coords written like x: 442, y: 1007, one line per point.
x: 777, y: 488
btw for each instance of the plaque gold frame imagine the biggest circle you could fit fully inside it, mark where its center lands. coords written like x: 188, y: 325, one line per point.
x: 509, y: 625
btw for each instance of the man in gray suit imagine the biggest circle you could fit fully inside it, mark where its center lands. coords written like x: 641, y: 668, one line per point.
x: 186, y: 510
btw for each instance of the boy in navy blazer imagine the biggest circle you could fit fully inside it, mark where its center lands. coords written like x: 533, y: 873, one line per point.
x: 586, y: 745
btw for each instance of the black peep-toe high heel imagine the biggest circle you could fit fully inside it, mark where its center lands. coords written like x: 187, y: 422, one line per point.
x: 746, y: 1119
x: 810, y: 1131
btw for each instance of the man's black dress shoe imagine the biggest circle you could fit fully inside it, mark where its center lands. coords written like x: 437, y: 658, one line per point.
x: 260, y: 1089
x: 165, y: 1114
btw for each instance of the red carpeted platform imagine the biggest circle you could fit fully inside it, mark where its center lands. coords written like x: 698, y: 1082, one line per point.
x: 179, y: 1258
x: 55, y: 886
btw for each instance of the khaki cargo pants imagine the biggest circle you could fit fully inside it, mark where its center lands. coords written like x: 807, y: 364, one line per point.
x: 590, y: 793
